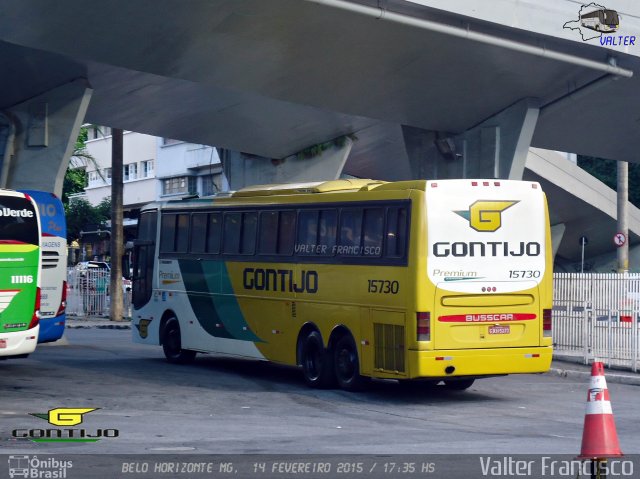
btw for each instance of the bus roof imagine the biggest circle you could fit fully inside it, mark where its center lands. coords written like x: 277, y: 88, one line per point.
x: 304, y: 188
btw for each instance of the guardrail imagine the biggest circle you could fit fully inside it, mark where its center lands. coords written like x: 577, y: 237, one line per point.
x: 88, y: 293
x: 597, y: 316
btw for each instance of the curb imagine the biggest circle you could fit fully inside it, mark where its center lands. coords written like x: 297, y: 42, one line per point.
x: 98, y: 326
x: 611, y: 377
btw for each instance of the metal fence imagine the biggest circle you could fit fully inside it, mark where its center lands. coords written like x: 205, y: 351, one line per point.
x: 88, y: 293
x: 597, y: 316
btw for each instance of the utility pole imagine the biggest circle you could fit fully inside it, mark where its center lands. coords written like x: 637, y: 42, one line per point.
x: 623, y: 215
x: 117, y: 235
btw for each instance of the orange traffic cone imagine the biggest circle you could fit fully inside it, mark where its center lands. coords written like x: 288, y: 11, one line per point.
x: 599, y: 437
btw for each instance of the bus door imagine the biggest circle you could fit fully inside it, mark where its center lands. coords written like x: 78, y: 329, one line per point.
x: 144, y: 258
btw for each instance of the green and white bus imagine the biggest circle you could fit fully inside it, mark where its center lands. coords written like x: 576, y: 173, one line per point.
x: 19, y: 274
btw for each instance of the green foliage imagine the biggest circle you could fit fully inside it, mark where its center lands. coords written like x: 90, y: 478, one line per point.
x: 75, y: 181
x: 80, y: 213
x: 316, y: 150
x: 606, y: 171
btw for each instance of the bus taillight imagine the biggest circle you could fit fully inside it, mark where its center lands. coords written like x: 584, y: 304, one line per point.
x: 423, y: 328
x: 35, y: 319
x: 546, y: 322
x: 63, y: 301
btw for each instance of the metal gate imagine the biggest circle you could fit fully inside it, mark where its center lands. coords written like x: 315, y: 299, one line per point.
x: 596, y: 316
x: 88, y: 293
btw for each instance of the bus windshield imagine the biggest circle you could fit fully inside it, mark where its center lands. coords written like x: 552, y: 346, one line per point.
x: 18, y: 221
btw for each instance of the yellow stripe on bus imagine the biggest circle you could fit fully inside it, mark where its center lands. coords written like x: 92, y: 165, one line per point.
x: 17, y: 248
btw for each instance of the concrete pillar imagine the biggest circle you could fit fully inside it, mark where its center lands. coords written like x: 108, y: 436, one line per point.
x: 46, y: 128
x: 496, y: 148
x: 243, y: 170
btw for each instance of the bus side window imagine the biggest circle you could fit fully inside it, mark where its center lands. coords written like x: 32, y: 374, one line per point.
x: 182, y: 233
x: 396, y: 237
x: 307, y: 232
x: 268, y: 239
x: 214, y: 233
x: 198, y: 232
x: 327, y: 228
x: 350, y: 231
x: 231, y: 237
x: 168, y: 233
x: 286, y: 232
x: 372, y: 231
x: 249, y: 233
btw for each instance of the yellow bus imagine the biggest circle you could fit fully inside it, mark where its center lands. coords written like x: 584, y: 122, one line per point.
x: 447, y: 280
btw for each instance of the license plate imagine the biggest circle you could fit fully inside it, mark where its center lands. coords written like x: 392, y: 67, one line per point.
x: 3, y: 343
x: 499, y: 329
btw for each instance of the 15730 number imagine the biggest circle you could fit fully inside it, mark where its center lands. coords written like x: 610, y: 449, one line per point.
x: 383, y: 286
x: 524, y: 274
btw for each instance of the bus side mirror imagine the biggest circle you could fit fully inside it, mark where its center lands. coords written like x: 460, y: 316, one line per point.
x: 126, y: 267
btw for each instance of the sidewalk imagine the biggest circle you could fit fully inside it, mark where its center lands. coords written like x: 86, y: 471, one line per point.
x: 99, y: 322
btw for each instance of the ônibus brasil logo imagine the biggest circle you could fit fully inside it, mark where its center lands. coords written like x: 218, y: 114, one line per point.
x: 486, y: 216
x: 65, y: 419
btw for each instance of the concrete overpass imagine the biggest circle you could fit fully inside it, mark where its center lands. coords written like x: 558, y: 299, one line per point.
x: 426, y: 92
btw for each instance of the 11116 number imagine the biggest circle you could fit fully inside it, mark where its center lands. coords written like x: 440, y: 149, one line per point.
x: 383, y: 286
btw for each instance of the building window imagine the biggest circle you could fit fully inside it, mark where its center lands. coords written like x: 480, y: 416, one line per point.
x: 178, y: 185
x: 170, y: 141
x: 130, y: 171
x: 146, y: 170
x: 107, y: 175
x: 209, y: 186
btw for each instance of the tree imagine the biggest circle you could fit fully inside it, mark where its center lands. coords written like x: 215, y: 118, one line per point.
x: 75, y: 179
x: 81, y: 213
x: 606, y: 171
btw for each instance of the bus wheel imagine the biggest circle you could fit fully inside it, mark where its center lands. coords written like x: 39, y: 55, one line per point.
x: 316, y: 362
x: 458, y: 384
x: 346, y: 364
x: 172, y: 344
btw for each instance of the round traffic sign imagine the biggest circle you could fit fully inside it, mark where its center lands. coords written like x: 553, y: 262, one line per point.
x: 620, y: 239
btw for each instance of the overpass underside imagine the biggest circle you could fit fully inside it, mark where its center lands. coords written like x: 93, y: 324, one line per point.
x: 397, y: 90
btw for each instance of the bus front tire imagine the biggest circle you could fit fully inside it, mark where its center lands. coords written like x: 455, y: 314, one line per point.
x: 459, y: 384
x: 172, y: 344
x: 316, y: 361
x: 347, y: 365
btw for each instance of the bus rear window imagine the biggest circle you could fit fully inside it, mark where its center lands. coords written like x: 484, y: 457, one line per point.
x: 18, y: 221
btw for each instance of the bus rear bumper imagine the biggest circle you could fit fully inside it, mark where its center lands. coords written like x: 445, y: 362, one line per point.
x: 19, y: 342
x: 479, y: 362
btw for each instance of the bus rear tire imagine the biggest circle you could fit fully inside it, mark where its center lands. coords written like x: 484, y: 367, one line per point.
x: 459, y: 384
x: 172, y: 344
x: 317, y: 364
x: 347, y: 365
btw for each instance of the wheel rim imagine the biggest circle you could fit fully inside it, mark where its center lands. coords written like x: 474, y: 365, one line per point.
x: 313, y: 361
x: 173, y: 342
x: 346, y: 364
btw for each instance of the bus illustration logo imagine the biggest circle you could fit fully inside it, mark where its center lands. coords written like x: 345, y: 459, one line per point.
x: 63, y: 416
x: 598, y: 21
x: 486, y: 216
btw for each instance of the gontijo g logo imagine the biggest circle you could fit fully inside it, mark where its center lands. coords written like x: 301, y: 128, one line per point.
x: 486, y: 216
x: 64, y: 418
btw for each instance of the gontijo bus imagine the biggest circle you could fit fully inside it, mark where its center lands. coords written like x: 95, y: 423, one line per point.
x: 442, y: 280
x: 53, y: 279
x: 19, y: 274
